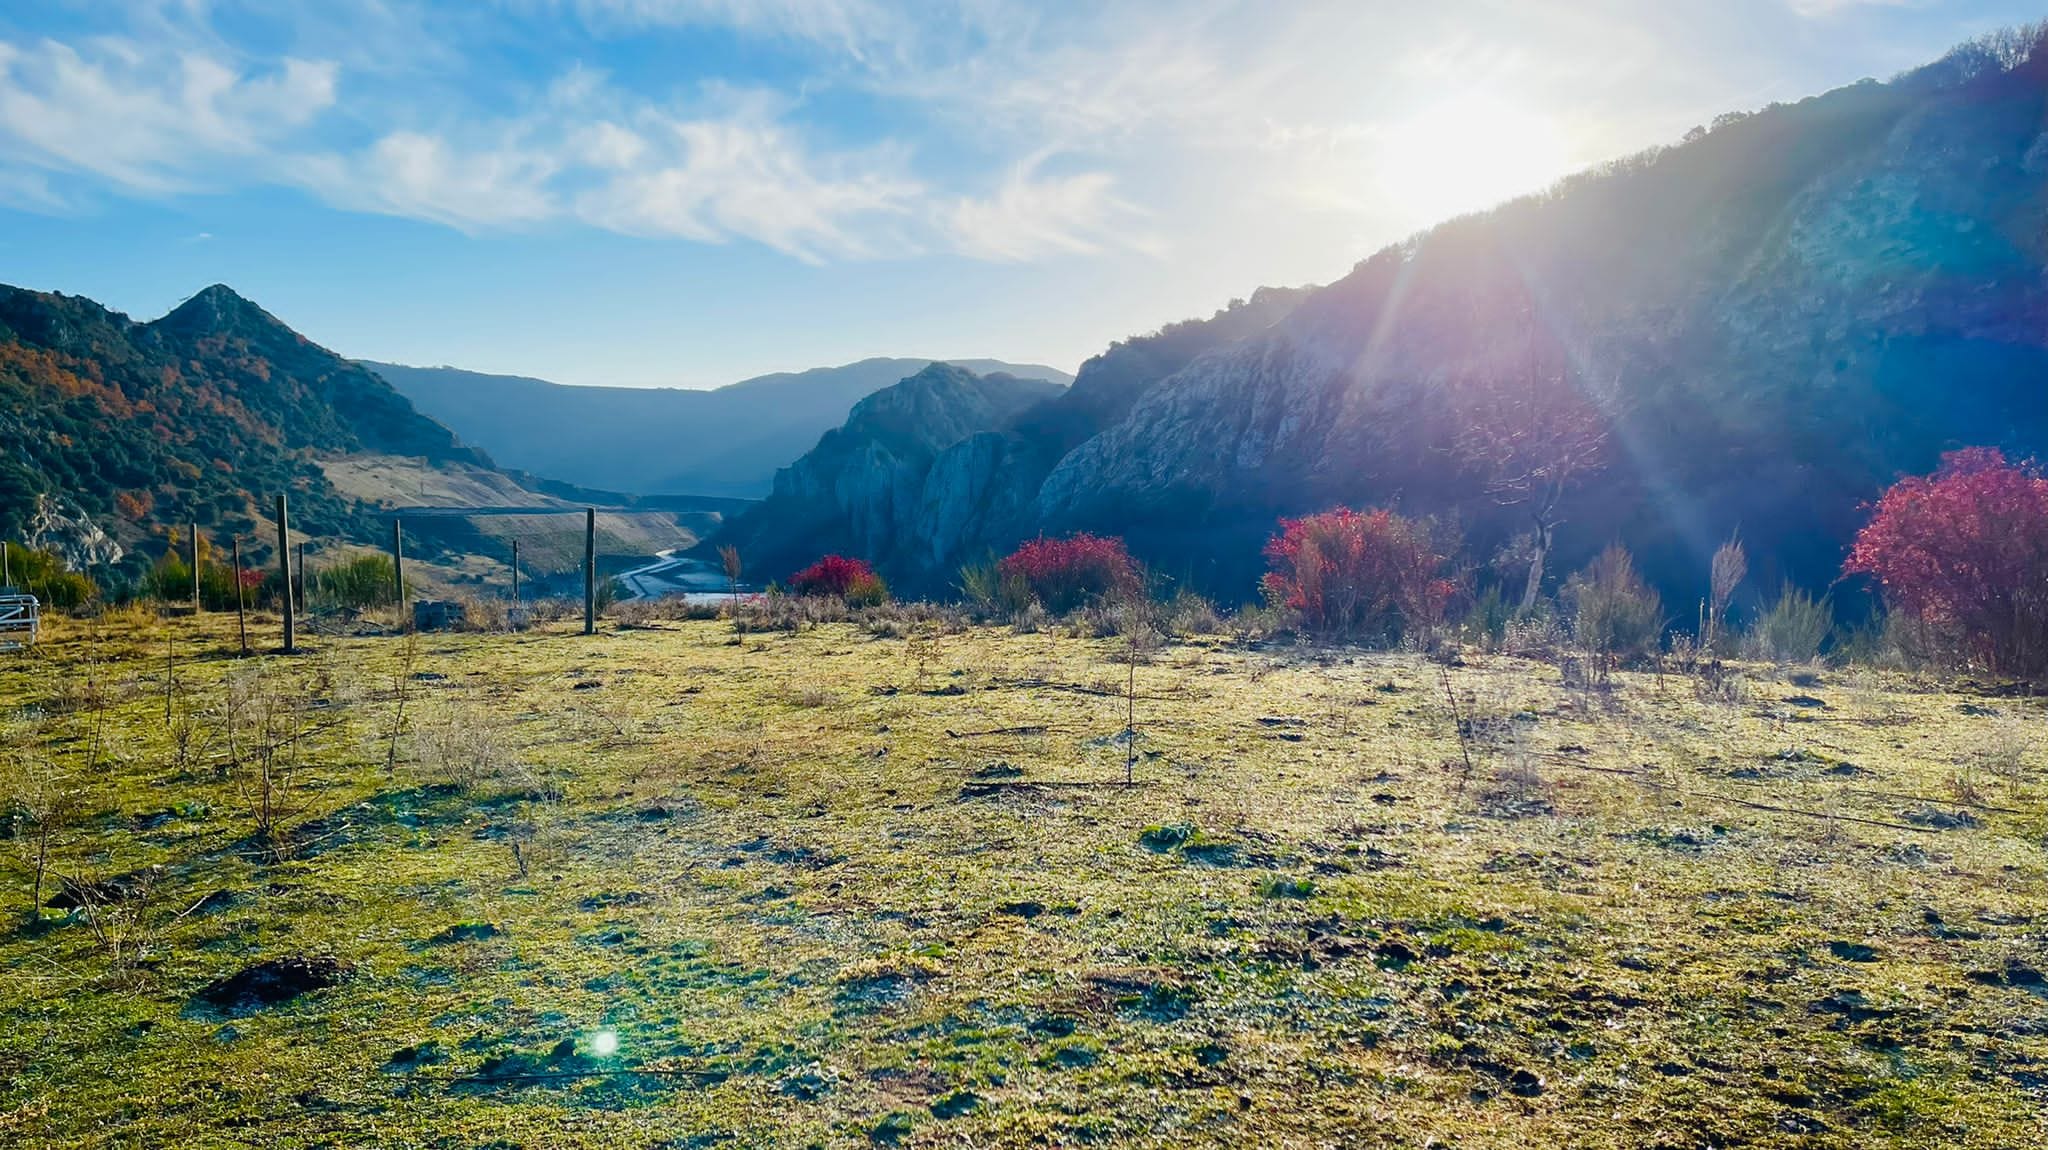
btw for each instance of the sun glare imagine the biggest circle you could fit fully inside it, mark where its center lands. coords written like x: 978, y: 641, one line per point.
x: 1468, y: 154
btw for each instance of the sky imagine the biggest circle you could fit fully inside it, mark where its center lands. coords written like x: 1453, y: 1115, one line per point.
x: 691, y: 192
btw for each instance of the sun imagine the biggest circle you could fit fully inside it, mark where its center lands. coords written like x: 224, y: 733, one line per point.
x: 1469, y: 153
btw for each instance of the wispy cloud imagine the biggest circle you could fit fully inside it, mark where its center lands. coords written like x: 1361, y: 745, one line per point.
x: 858, y: 28
x: 424, y: 177
x: 1032, y: 216
x: 747, y: 176
x: 144, y: 119
x: 850, y: 129
x: 1817, y: 8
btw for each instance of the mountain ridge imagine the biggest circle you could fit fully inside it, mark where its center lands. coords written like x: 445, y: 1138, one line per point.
x: 124, y: 428
x: 1872, y: 259
x: 725, y: 441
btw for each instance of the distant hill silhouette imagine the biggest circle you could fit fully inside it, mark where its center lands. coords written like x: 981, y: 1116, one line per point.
x: 1776, y: 318
x: 659, y: 440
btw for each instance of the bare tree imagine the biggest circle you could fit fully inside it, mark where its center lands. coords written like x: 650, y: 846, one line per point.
x: 43, y: 796
x: 1730, y: 567
x: 729, y: 558
x: 1137, y: 618
x: 1535, y: 438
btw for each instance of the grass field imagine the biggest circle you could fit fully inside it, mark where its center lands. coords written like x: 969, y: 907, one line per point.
x: 662, y: 888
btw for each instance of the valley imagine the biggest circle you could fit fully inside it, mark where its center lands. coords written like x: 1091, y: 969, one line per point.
x: 1563, y: 664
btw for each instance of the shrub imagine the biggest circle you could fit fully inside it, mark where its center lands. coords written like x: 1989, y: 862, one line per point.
x: 1793, y: 630
x: 1191, y: 614
x: 1964, y: 552
x: 837, y: 577
x: 44, y: 575
x: 992, y: 593
x: 1613, y: 611
x: 364, y: 581
x: 1486, y: 624
x: 1362, y: 574
x: 1063, y: 574
x: 170, y: 580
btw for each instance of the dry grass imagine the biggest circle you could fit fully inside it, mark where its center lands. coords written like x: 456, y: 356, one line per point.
x: 831, y: 888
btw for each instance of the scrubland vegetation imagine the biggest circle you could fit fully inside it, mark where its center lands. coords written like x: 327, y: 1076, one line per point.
x: 875, y: 876
x: 1384, y: 861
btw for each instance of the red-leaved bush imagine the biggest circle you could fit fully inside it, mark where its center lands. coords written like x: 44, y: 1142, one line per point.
x: 1074, y: 571
x: 840, y: 577
x: 1965, y: 552
x: 1369, y: 573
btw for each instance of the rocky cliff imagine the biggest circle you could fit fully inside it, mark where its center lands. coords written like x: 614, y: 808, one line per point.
x: 863, y: 489
x: 1772, y: 320
x: 969, y: 480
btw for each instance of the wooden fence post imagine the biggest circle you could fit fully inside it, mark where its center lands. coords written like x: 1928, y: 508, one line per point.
x: 284, y: 566
x: 515, y: 573
x: 590, y: 571
x: 195, y: 570
x: 241, y: 606
x: 398, y: 563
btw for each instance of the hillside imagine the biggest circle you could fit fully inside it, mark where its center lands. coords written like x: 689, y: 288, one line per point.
x: 658, y: 440
x: 121, y: 428
x: 1770, y: 321
x: 969, y: 484
x: 864, y: 487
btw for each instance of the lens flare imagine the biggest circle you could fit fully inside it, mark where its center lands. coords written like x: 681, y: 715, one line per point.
x: 1467, y: 154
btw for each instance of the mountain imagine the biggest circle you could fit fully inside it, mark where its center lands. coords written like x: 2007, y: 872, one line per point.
x: 968, y: 478
x: 864, y: 485
x: 116, y: 429
x: 659, y: 440
x: 1771, y: 321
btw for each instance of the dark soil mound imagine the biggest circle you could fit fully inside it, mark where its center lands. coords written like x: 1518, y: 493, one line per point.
x: 273, y: 981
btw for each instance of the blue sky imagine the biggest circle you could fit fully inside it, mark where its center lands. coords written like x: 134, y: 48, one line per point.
x: 693, y: 191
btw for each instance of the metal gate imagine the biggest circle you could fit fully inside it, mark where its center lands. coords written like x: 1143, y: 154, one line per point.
x: 20, y: 619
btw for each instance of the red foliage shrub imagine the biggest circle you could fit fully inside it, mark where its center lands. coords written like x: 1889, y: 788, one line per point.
x: 1070, y: 572
x: 842, y: 578
x: 1965, y: 552
x: 1362, y: 573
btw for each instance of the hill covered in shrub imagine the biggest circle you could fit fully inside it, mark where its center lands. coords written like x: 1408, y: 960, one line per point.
x: 123, y: 428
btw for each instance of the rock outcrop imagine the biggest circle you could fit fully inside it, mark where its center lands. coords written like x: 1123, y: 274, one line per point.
x: 864, y: 489
x: 62, y: 528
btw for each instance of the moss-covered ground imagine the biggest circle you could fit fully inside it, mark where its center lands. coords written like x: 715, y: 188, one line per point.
x: 664, y: 888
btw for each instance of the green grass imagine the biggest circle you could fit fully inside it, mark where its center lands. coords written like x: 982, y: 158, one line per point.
x: 816, y: 902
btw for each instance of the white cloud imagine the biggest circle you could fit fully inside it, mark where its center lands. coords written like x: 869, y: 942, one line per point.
x: 856, y: 27
x: 423, y: 177
x: 744, y: 176
x: 1031, y: 217
x: 145, y: 119
x: 1256, y: 132
x: 1823, y: 8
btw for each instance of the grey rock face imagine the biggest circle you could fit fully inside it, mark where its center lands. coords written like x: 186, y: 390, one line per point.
x: 62, y: 528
